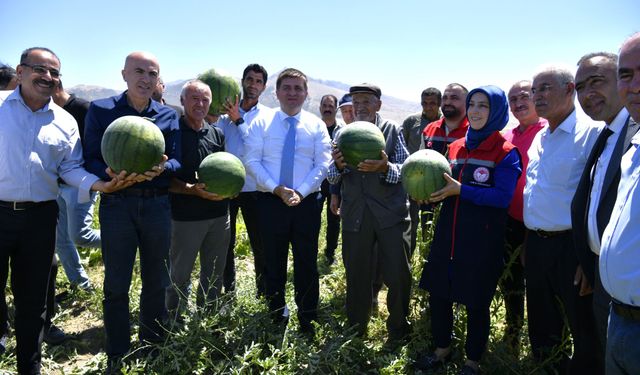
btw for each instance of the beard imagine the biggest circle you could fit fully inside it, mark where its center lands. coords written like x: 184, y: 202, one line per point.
x: 450, y: 112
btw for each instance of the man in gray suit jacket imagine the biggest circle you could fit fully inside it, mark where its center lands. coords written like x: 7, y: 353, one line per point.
x: 596, y: 193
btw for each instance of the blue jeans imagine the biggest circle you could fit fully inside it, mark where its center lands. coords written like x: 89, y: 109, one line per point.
x: 75, y: 229
x: 130, y: 223
x: 623, y: 346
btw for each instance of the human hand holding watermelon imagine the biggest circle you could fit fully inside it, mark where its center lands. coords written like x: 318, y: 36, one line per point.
x: 199, y: 190
x: 372, y: 165
x: 451, y: 188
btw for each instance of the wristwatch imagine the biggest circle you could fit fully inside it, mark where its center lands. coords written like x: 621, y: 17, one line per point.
x: 239, y: 121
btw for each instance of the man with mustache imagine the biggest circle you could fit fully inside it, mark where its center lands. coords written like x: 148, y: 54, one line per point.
x: 328, y: 110
x: 557, y: 290
x: 234, y: 124
x: 596, y: 85
x: 412, y: 127
x: 512, y: 284
x: 453, y: 124
x: 137, y: 217
x: 40, y: 144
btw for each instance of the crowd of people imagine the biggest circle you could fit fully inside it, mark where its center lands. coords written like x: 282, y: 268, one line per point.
x: 542, y: 211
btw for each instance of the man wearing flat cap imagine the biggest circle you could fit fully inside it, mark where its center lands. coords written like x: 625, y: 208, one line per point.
x: 375, y: 210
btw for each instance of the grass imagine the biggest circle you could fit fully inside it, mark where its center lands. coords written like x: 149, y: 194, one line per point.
x: 236, y: 336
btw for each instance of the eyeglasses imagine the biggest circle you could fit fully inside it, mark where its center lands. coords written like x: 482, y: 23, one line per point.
x: 41, y: 69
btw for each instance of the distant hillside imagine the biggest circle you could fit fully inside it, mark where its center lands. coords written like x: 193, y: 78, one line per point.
x: 392, y: 108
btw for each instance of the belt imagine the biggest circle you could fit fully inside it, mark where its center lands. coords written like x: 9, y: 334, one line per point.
x: 142, y: 193
x: 544, y: 234
x: 20, y: 206
x: 626, y: 311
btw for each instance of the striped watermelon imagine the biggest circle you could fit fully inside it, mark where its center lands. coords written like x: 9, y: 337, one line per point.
x: 132, y: 144
x: 222, y: 173
x: 222, y: 87
x: 359, y: 141
x: 422, y: 173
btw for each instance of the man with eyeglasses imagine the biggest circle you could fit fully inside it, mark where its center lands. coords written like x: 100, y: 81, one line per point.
x: 137, y: 217
x: 557, y: 290
x: 40, y: 144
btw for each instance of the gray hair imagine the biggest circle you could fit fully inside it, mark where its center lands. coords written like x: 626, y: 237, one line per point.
x: 193, y: 82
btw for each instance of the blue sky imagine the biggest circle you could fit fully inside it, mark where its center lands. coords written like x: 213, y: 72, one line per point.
x: 403, y: 46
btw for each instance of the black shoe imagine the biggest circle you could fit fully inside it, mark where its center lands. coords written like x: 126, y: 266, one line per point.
x: 54, y: 335
x: 468, y: 370
x: 307, y: 329
x: 431, y: 362
x: 3, y: 343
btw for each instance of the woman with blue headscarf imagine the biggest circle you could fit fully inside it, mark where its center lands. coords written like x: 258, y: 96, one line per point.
x: 466, y: 257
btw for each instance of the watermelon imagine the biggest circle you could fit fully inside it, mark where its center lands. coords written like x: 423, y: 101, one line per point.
x: 422, y: 173
x: 359, y: 141
x: 222, y: 173
x: 132, y: 144
x: 223, y: 87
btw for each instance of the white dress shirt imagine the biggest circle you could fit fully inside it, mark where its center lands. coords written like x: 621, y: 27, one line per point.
x: 265, y: 142
x: 234, y: 137
x: 556, y: 162
x: 597, y: 176
x: 37, y: 148
x: 620, y: 251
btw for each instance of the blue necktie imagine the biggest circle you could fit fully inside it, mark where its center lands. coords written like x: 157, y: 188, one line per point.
x: 288, y: 154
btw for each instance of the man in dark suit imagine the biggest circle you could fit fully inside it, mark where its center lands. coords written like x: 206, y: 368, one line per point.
x: 596, y: 193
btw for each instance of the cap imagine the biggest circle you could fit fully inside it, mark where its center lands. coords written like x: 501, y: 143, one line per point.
x: 366, y: 88
x: 345, y: 100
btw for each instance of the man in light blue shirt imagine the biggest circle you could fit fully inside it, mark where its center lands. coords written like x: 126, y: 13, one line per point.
x: 235, y: 125
x: 288, y: 153
x: 39, y: 143
x: 620, y: 250
x: 556, y: 290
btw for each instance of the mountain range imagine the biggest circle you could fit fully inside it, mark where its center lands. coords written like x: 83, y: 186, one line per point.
x: 392, y: 108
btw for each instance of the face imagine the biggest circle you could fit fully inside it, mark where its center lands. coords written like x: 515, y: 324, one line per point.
x: 365, y: 106
x: 141, y: 72
x: 196, y: 101
x: 347, y: 113
x: 328, y: 109
x: 629, y: 77
x: 39, y: 75
x: 551, y: 97
x: 453, y: 102
x: 478, y: 111
x: 430, y: 105
x: 521, y: 103
x: 291, y: 95
x: 158, y: 91
x: 252, y: 85
x: 597, y: 89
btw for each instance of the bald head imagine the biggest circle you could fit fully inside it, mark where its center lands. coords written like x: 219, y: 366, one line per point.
x: 629, y: 75
x: 141, y: 72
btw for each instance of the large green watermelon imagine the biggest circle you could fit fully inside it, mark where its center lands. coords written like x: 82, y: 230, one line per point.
x: 359, y: 141
x: 132, y: 144
x: 422, y: 173
x: 222, y: 87
x: 222, y: 173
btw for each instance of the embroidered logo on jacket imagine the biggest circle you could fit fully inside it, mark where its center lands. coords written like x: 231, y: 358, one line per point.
x: 481, y: 174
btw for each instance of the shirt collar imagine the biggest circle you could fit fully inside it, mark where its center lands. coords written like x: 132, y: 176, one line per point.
x: 17, y: 95
x: 568, y: 124
x: 619, y: 121
x: 121, y: 101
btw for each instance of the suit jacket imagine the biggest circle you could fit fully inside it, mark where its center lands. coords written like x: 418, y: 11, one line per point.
x: 580, y: 203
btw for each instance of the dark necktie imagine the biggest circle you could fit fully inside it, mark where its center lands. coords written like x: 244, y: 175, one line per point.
x: 601, y: 142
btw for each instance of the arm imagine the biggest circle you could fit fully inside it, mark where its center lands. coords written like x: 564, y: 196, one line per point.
x: 254, y: 146
x: 172, y: 144
x: 93, y: 132
x: 388, y: 166
x: 321, y: 161
x: 180, y: 187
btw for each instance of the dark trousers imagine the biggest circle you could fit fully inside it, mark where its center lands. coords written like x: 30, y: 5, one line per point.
x: 281, y: 225
x: 601, y: 306
x: 512, y: 283
x: 550, y: 268
x: 333, y: 226
x: 128, y: 224
x: 246, y: 202
x: 361, y: 262
x: 420, y: 215
x: 27, y: 241
x: 478, y: 326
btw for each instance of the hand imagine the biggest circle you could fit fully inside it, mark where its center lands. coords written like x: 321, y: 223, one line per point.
x: 289, y: 196
x: 338, y: 159
x: 334, y: 204
x: 451, y: 188
x: 370, y: 165
x: 199, y: 191
x: 156, y: 170
x: 232, y: 109
x: 116, y: 183
x: 581, y: 279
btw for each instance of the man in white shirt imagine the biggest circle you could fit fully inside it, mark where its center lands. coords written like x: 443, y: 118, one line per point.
x: 556, y: 288
x: 288, y: 153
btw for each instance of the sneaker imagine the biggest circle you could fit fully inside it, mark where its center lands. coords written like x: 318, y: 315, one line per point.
x: 431, y: 362
x: 54, y: 335
x: 3, y: 343
x: 285, y: 312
